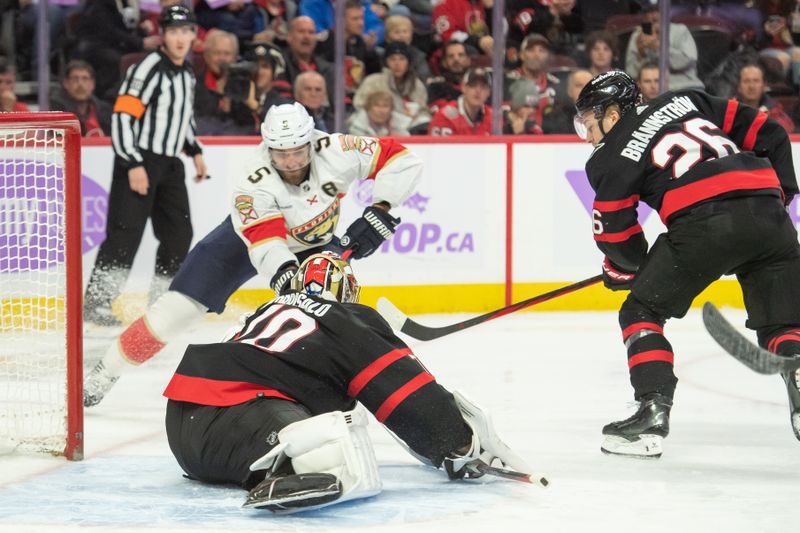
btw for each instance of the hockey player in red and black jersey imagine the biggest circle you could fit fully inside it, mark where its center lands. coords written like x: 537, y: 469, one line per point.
x: 285, y: 385
x: 720, y: 175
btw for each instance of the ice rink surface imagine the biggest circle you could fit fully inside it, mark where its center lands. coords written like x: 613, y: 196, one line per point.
x: 551, y: 381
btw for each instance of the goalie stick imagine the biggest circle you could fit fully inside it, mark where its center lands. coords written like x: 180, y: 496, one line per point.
x: 400, y: 321
x: 749, y: 354
x: 483, y: 468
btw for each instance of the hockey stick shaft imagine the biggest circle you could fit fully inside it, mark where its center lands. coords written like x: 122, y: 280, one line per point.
x: 505, y: 473
x: 418, y: 331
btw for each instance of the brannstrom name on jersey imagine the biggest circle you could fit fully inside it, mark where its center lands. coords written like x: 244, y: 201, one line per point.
x: 678, y: 107
x: 298, y: 299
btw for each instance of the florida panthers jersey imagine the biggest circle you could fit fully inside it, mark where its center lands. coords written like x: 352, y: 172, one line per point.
x: 324, y: 355
x: 681, y: 149
x: 276, y: 219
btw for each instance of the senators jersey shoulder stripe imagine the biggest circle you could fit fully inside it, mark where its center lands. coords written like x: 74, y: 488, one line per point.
x: 679, y: 150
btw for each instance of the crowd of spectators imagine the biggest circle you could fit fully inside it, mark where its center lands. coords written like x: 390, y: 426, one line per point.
x: 415, y: 67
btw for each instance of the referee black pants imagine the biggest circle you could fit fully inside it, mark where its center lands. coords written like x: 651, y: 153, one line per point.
x: 166, y: 204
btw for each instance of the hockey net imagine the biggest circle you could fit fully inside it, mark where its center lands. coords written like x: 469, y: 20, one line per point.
x: 40, y: 284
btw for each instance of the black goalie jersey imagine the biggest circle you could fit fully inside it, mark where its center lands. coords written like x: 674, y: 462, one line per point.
x: 681, y: 149
x: 324, y: 355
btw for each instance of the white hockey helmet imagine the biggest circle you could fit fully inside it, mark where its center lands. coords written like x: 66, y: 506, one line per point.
x: 287, y: 126
x: 329, y: 276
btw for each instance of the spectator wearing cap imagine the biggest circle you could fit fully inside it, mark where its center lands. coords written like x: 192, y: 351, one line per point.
x: 601, y: 50
x: 361, y: 57
x: 399, y: 79
x: 8, y: 85
x: 534, y: 61
x: 464, y: 21
x: 77, y: 96
x: 469, y: 114
x: 753, y: 91
x: 399, y: 28
x: 643, y: 48
x: 521, y: 118
x: 309, y: 90
x: 447, y: 86
x: 559, y: 20
x: 558, y: 118
x: 378, y: 118
x: 648, y: 81
x: 300, y: 56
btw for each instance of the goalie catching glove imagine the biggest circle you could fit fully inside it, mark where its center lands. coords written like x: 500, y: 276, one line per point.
x: 615, y: 278
x: 486, y: 446
x: 282, y: 279
x: 367, y: 233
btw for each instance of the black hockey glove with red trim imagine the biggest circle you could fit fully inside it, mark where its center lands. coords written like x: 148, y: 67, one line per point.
x: 282, y: 279
x: 367, y: 233
x: 615, y: 278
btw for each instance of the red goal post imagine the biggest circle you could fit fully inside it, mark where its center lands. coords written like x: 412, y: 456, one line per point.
x: 41, y: 345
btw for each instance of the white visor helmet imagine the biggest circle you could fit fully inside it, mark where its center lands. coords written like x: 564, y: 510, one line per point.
x: 287, y: 132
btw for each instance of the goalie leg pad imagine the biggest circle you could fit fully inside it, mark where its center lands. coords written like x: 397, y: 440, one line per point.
x: 296, y: 492
x: 486, y: 445
x: 335, y: 443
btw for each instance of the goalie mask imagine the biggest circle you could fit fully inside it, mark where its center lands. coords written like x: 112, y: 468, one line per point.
x: 327, y: 275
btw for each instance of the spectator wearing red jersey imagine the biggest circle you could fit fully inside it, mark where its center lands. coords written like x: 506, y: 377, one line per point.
x: 534, y: 61
x: 464, y: 21
x: 8, y: 83
x: 469, y: 114
x: 753, y: 92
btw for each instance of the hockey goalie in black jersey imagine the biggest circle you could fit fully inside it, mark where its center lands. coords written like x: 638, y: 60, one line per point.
x: 720, y: 175
x: 286, y: 386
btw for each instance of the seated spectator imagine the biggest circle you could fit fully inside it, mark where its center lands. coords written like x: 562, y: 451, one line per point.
x: 77, y: 96
x: 753, y: 92
x: 8, y: 86
x: 300, y: 55
x: 447, y: 86
x: 643, y: 47
x: 558, y: 20
x: 108, y: 30
x: 558, y: 118
x: 57, y: 13
x: 400, y: 80
x: 278, y: 13
x: 309, y: 90
x: 239, y: 17
x: 780, y: 36
x: 469, y: 114
x: 399, y: 28
x: 223, y: 104
x: 322, y: 14
x: 649, y: 80
x: 361, y: 58
x: 601, y: 49
x: 521, y: 118
x: 534, y: 61
x: 464, y: 21
x: 265, y: 94
x: 378, y: 118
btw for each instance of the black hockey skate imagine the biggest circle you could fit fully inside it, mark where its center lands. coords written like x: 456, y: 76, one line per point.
x: 641, y: 434
x: 792, y: 380
x: 295, y: 492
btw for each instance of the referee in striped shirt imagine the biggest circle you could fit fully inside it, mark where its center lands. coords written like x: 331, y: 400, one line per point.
x: 152, y: 123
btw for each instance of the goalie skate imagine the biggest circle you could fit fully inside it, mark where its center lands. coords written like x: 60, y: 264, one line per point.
x: 293, y: 493
x: 97, y: 384
x: 640, y: 435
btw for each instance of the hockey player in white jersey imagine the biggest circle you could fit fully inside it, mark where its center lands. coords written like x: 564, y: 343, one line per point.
x: 285, y: 208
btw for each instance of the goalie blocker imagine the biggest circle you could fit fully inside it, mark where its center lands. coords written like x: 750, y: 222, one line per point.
x: 298, y: 432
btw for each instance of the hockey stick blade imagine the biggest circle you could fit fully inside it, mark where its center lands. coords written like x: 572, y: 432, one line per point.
x: 505, y: 473
x: 749, y: 354
x: 401, y: 322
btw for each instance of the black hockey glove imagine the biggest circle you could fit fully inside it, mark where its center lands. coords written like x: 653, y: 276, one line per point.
x: 368, y: 232
x: 282, y: 279
x: 615, y: 278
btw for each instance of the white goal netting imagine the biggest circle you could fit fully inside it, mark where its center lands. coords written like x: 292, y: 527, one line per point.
x: 33, y: 279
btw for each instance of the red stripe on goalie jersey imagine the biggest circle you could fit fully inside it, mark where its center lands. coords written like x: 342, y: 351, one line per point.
x: 388, y: 150
x: 697, y: 191
x: 391, y: 403
x: 271, y: 228
x: 375, y: 368
x: 216, y: 392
